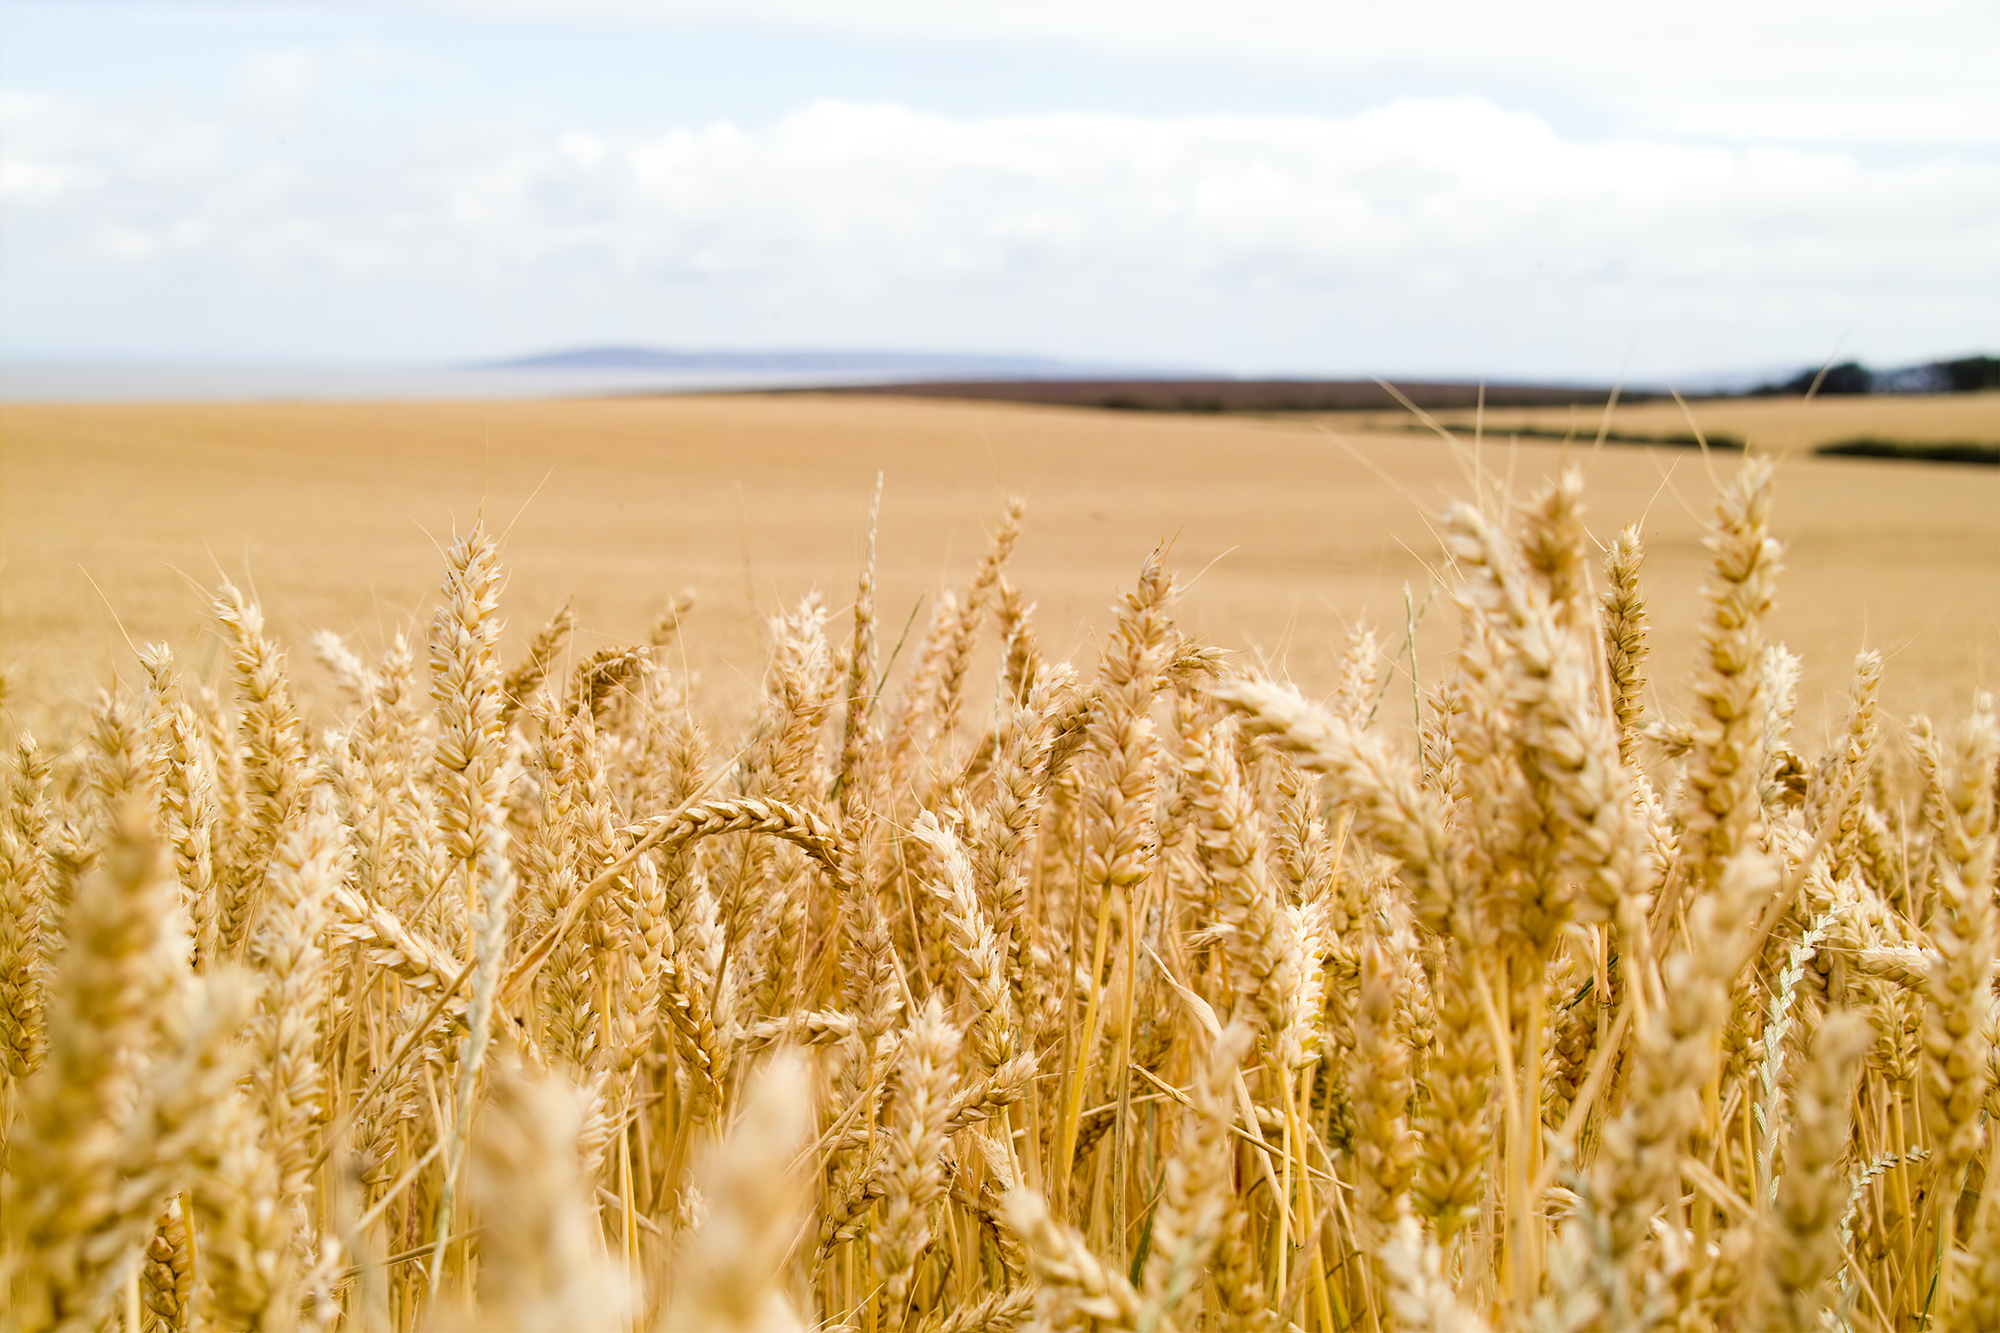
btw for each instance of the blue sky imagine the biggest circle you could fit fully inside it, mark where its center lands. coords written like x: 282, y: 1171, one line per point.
x: 1269, y: 187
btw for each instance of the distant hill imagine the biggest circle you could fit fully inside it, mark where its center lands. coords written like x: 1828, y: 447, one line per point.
x: 1214, y: 395
x: 1052, y: 381
x: 844, y: 364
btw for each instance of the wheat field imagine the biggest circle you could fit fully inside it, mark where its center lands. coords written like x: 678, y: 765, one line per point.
x: 1288, y: 532
x: 1537, y: 970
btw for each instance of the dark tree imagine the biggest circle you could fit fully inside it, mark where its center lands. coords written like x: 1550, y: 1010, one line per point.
x: 1970, y: 374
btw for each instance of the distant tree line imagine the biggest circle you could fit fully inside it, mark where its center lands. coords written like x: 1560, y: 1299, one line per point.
x: 1967, y: 374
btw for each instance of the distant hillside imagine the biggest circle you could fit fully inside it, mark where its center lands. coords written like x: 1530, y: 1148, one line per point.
x: 1164, y: 395
x: 844, y: 364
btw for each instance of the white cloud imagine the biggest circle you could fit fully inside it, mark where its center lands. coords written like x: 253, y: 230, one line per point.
x: 55, y: 152
x: 276, y: 83
x: 41, y: 157
x: 1919, y: 72
x: 1241, y: 241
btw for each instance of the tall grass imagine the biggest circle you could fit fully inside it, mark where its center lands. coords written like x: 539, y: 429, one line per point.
x: 1146, y: 996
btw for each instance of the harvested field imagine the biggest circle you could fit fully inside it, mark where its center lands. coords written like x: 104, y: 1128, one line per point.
x: 336, y: 512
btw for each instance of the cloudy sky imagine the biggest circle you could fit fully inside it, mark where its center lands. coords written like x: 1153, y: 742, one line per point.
x: 1267, y: 186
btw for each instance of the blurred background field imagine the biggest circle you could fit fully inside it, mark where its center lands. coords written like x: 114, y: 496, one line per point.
x: 1296, y: 527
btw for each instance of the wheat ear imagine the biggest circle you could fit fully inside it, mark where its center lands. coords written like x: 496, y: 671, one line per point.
x: 62, y: 1182
x: 23, y: 922
x: 1804, y: 1243
x: 1625, y: 645
x: 272, y: 764
x: 926, y: 1078
x: 729, y: 1275
x: 545, y: 1270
